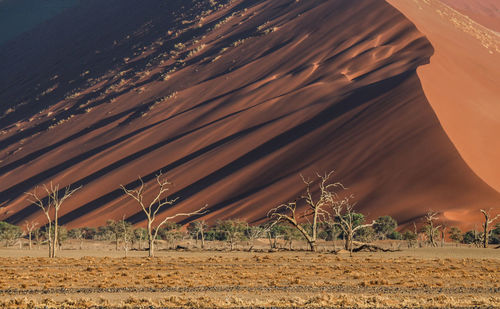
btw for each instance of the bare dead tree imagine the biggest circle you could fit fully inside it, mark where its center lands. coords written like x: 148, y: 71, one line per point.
x: 78, y: 234
x: 488, y: 220
x: 46, y: 208
x: 287, y: 213
x: 126, y: 231
x: 315, y: 208
x: 431, y: 229
x: 443, y: 235
x: 30, y: 227
x: 114, y: 228
x: 140, y: 234
x: 477, y: 236
x: 36, y: 233
x: 198, y: 228
x: 254, y: 233
x: 151, y: 208
x: 415, y: 231
x: 271, y: 234
x: 51, y: 204
x: 348, y: 220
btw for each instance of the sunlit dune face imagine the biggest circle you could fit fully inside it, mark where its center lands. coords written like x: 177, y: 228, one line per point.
x: 465, y: 216
x: 485, y: 12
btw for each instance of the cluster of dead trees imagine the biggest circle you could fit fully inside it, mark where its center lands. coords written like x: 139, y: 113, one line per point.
x: 333, y: 207
x: 432, y: 233
x: 54, y: 199
x: 324, y: 211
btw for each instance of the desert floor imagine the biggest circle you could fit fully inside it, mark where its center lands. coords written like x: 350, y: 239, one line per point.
x: 423, y: 277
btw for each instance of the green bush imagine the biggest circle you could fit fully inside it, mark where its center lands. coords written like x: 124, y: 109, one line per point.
x: 456, y: 234
x: 495, y: 235
x: 395, y: 235
x: 384, y: 226
x: 409, y: 235
x: 472, y: 237
x: 9, y: 233
x: 365, y: 234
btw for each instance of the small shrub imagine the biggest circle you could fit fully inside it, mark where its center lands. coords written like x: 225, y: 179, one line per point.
x: 395, y: 235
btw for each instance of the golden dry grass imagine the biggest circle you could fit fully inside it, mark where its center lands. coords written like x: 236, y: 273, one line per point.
x: 228, y: 279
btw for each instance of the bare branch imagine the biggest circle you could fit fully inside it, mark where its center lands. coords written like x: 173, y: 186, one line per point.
x: 161, y: 204
x: 200, y: 211
x: 158, y: 202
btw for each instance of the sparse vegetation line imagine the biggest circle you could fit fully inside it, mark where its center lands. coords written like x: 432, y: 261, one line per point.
x: 297, y: 289
x: 321, y: 215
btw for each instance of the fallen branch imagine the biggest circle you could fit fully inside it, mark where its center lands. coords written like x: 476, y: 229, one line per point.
x: 373, y: 248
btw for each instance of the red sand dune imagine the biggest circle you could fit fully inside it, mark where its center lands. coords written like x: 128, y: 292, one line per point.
x: 485, y: 12
x: 232, y: 107
x: 462, y: 81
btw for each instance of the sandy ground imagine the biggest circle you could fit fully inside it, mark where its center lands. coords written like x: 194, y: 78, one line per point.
x: 424, y: 277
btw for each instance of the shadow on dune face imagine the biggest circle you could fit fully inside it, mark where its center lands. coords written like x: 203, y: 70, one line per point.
x: 94, y: 36
x: 19, y: 16
x: 263, y: 90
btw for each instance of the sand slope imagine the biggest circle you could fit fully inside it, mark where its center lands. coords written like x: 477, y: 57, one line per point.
x: 231, y: 106
x: 462, y: 81
x: 485, y: 12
